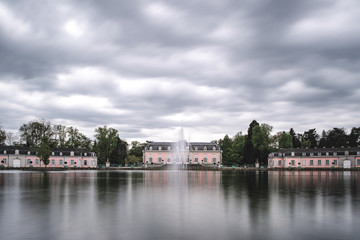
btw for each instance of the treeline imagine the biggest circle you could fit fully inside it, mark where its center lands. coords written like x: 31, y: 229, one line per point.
x: 41, y: 135
x: 237, y: 150
x: 258, y: 142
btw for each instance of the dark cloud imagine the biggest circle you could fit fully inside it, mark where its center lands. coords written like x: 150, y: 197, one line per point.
x: 147, y: 67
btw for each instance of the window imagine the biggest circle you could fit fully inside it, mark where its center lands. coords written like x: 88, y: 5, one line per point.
x: 150, y: 159
x: 327, y: 162
x: 187, y: 158
x: 159, y: 159
x: 335, y: 162
x: 304, y: 162
x: 196, y: 158
x: 71, y: 162
x: 28, y: 161
x: 293, y: 162
x: 37, y: 161
x: 311, y: 163
x: 53, y: 162
x: 61, y: 162
x: 85, y: 162
x: 357, y: 161
x: 4, y: 161
x: 214, y: 158
x: 205, y: 158
x: 168, y: 159
x: 319, y: 162
x: 279, y: 163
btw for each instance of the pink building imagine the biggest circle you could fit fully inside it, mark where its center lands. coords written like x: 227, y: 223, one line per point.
x: 24, y: 157
x: 315, y: 158
x: 182, y: 152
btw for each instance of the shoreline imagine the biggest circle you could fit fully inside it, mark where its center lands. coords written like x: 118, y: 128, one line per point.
x: 162, y: 168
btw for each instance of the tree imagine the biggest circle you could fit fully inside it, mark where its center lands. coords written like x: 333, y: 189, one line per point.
x: 323, y: 142
x: 228, y: 156
x: 261, y: 141
x: 337, y: 137
x: 11, y: 138
x: 60, y: 135
x: 35, y: 131
x: 354, y: 137
x: 106, y: 142
x: 76, y: 139
x: 131, y: 159
x: 43, y: 151
x: 250, y: 154
x: 285, y: 140
x: 238, y: 147
x: 2, y: 136
x: 310, y: 138
x: 136, y: 149
x: 119, y: 153
x: 295, y: 139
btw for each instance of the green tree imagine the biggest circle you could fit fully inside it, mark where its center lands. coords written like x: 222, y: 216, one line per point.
x: 354, y: 137
x: 34, y: 132
x: 2, y: 136
x: 119, y: 153
x: 106, y: 142
x: 261, y: 141
x: 136, y: 149
x: 310, y: 138
x: 323, y: 142
x: 295, y: 139
x: 76, y: 139
x: 60, y: 135
x: 43, y: 151
x: 238, y: 147
x: 131, y: 159
x: 337, y: 137
x: 250, y: 153
x: 228, y: 156
x: 285, y: 140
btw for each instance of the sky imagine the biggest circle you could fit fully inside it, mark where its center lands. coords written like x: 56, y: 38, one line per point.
x: 148, y: 68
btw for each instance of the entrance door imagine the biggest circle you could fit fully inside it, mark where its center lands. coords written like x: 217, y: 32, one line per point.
x: 347, y: 164
x: 16, y: 163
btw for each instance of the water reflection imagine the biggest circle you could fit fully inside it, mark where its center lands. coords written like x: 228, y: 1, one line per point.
x: 179, y: 205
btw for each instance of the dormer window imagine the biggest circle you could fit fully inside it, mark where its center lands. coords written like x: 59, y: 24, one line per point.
x: 150, y: 148
x: 159, y: 148
x: 304, y: 154
x: 214, y: 148
x: 196, y: 148
x: 169, y: 148
x: 205, y: 148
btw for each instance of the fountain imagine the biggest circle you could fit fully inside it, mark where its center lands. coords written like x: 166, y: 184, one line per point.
x: 180, y: 150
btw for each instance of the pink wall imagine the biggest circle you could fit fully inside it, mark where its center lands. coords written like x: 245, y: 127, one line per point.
x: 164, y: 156
x: 296, y: 160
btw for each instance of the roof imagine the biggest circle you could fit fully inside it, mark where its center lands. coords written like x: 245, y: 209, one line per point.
x: 191, y: 145
x: 316, y: 150
x: 25, y: 148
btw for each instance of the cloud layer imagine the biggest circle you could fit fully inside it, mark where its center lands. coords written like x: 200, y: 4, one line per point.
x: 148, y: 67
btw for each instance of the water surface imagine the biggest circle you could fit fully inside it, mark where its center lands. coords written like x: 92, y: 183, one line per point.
x: 179, y: 205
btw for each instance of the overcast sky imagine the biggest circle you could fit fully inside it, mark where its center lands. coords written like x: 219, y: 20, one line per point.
x: 147, y: 68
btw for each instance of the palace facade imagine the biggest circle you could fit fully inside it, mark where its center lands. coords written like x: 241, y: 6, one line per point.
x: 182, y: 152
x: 25, y: 157
x: 345, y: 157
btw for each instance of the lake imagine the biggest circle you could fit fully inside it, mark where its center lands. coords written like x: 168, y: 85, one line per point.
x: 175, y: 204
